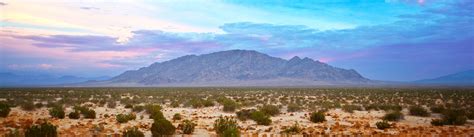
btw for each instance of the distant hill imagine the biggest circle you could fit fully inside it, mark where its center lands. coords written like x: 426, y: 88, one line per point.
x: 236, y: 68
x: 460, y: 78
x: 11, y: 79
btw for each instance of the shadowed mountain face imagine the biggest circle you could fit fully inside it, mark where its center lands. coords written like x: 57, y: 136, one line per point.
x: 237, y: 66
x: 460, y: 78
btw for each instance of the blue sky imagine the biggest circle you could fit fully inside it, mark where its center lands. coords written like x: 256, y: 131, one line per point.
x: 397, y: 40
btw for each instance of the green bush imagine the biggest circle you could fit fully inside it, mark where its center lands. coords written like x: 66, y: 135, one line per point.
x: 43, y: 130
x: 393, y: 116
x: 351, y: 108
x: 437, y: 122
x: 57, y: 112
x: 382, y: 125
x: 28, y: 106
x: 39, y: 105
x: 317, y: 117
x: 156, y: 114
x: 245, y: 114
x: 133, y: 132
x: 74, y: 115
x: 177, y: 116
x: 293, y: 107
x: 4, y: 110
x: 418, y: 111
x: 162, y: 127
x: 261, y: 118
x: 454, y: 117
x: 150, y: 109
x: 14, y: 133
x: 226, y: 127
x: 229, y: 105
x: 271, y: 110
x: 89, y: 114
x: 124, y: 118
x: 231, y: 132
x: 187, y: 127
x: 295, y: 129
x: 437, y: 109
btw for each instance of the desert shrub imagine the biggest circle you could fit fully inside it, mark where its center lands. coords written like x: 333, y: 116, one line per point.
x: 162, y: 127
x: 393, y: 116
x: 43, y: 130
x: 128, y: 106
x: 157, y: 114
x: 226, y: 126
x: 187, y: 127
x: 261, y: 118
x: 418, y: 111
x: 111, y: 104
x: 28, y: 106
x: 231, y: 132
x: 150, y: 108
x: 207, y: 103
x: 293, y: 107
x: 351, y: 108
x: 177, y: 116
x: 175, y: 104
x: 14, y: 133
x: 229, y: 105
x: 271, y: 110
x: 317, y: 117
x: 196, y: 103
x: 123, y: 118
x: 4, y: 110
x: 454, y: 117
x: 470, y: 114
x: 74, y: 115
x: 295, y: 129
x: 371, y: 107
x: 437, y: 109
x: 437, y: 122
x: 382, y: 125
x: 89, y: 114
x: 39, y: 105
x: 57, y: 112
x: 138, y: 108
x: 244, y: 114
x: 133, y: 132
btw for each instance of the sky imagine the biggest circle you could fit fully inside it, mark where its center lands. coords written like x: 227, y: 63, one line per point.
x: 393, y: 40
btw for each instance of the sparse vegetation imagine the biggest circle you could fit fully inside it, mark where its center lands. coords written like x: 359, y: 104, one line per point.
x: 295, y: 129
x: 57, y: 112
x: 43, y: 130
x: 271, y: 110
x: 226, y: 127
x: 418, y: 111
x: 133, y: 132
x: 4, y: 110
x: 261, y: 118
x: 74, y: 115
x: 382, y: 125
x: 162, y: 127
x: 393, y: 116
x: 124, y: 118
x: 177, y: 116
x: 317, y: 117
x: 187, y: 127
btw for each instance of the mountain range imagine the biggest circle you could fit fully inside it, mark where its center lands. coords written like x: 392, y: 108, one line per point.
x: 460, y: 78
x: 236, y: 68
x: 230, y: 68
x: 13, y: 79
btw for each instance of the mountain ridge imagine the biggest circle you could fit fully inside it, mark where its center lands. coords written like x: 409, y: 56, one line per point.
x: 237, y: 66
